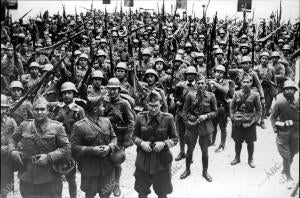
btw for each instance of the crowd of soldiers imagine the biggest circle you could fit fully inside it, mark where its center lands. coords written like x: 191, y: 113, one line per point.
x: 77, y: 90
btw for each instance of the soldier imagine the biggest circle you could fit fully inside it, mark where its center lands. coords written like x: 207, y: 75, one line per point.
x: 96, y: 89
x: 245, y: 112
x: 68, y: 112
x: 199, y: 63
x: 154, y: 134
x: 44, y: 142
x: 93, y: 140
x: 151, y: 79
x: 181, y: 91
x: 199, y: 109
x: 120, y: 114
x: 286, y: 109
x: 266, y: 74
x: 8, y: 127
x: 219, y: 60
x: 279, y: 70
x: 81, y: 67
x: 220, y: 87
x: 29, y: 80
x: 122, y: 74
x: 25, y: 110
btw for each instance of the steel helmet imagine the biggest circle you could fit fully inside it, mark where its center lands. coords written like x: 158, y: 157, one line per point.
x: 280, y: 41
x: 47, y: 67
x: 72, y: 22
x: 160, y: 60
x: 198, y: 54
x: 289, y: 83
x: 246, y: 59
x: 220, y: 68
x: 286, y: 47
x: 68, y: 86
x: 117, y: 157
x: 85, y: 56
x: 244, y: 45
x: 244, y: 37
x: 191, y: 70
x: 63, y: 166
x: 113, y: 83
x: 97, y: 74
x: 188, y: 44
x: 275, y: 54
x: 151, y: 71
x: 103, y: 40
x: 146, y: 52
x: 4, y: 101
x: 34, y: 64
x: 216, y: 47
x: 178, y: 58
x: 222, y: 31
x: 264, y: 54
x: 122, y: 65
x: 16, y: 84
x: 201, y: 36
x: 219, y: 51
x: 101, y: 53
x: 115, y: 34
x: 77, y: 52
x: 9, y: 46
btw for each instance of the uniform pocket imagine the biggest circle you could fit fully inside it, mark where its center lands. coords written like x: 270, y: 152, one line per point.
x: 50, y: 141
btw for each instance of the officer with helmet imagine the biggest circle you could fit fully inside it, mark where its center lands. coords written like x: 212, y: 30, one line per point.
x: 285, y: 122
x: 96, y: 90
x: 220, y: 87
x: 8, y: 127
x: 68, y: 112
x: 25, y: 110
x: 120, y: 113
x: 93, y: 143
x: 44, y: 142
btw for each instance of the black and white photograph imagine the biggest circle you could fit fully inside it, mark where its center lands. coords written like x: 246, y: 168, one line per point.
x: 150, y: 98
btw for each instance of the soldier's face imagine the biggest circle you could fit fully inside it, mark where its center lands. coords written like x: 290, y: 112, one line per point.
x: 159, y: 66
x: 219, y: 74
x: 97, y: 82
x: 82, y: 62
x: 200, y: 59
x: 120, y: 73
x: 10, y: 52
x: 190, y: 77
x: 16, y: 93
x: 150, y: 78
x: 289, y: 92
x: 264, y: 60
x: 40, y: 112
x: 68, y: 96
x: 113, y: 92
x: 201, y: 84
x: 244, y: 50
x: 246, y: 83
x: 154, y: 107
x: 275, y: 59
x: 246, y: 65
x: 219, y: 56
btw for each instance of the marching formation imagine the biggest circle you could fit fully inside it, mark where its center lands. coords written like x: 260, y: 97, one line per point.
x: 78, y: 90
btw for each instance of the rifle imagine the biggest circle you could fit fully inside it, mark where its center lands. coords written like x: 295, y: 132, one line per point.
x: 36, y: 87
x: 228, y: 55
x: 112, y: 67
x: 161, y: 34
x: 210, y: 58
x: 22, y: 17
x: 252, y: 49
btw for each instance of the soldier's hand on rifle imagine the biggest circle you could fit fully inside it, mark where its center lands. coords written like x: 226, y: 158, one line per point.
x: 17, y: 157
x: 159, y: 146
x: 201, y: 118
x: 146, y: 146
x: 104, y: 150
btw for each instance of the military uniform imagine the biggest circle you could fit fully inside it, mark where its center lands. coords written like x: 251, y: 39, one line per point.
x: 9, y: 68
x: 97, y: 173
x: 280, y: 75
x: 154, y: 168
x: 147, y: 90
x: 194, y: 106
x: 121, y: 116
x: 8, y: 127
x: 51, y: 139
x: 92, y: 92
x: 220, y: 90
x: 29, y: 81
x: 23, y: 112
x: 287, y: 136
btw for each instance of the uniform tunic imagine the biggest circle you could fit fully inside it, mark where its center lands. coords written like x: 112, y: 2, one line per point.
x: 96, y: 172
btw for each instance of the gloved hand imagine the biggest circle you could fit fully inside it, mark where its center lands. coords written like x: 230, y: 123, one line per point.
x: 43, y: 160
x: 201, y: 118
x: 104, y: 150
x: 159, y: 146
x: 17, y: 157
x: 146, y: 146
